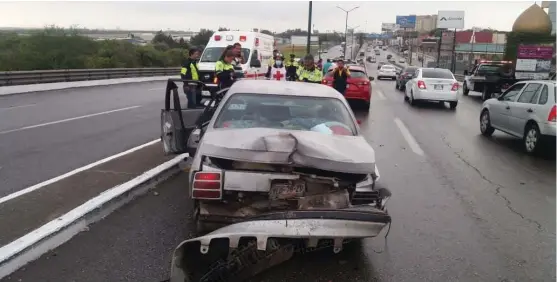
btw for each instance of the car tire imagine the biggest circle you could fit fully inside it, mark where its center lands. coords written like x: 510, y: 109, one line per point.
x: 413, y: 101
x: 396, y: 86
x: 532, y: 139
x: 485, y: 94
x: 366, y: 106
x: 394, y: 78
x: 465, y: 89
x: 485, y: 124
x: 453, y: 105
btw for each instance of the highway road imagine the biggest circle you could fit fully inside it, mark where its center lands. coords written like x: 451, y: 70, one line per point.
x: 464, y: 207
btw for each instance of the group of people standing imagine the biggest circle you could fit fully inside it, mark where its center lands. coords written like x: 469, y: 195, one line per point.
x: 228, y: 70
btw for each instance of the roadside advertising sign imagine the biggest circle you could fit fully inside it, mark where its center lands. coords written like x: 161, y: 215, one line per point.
x: 450, y: 19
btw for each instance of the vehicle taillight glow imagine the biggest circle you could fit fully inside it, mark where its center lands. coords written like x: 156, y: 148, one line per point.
x: 217, y: 37
x: 207, y: 185
x: 243, y: 38
x: 455, y: 87
x: 552, y: 114
x: 421, y: 84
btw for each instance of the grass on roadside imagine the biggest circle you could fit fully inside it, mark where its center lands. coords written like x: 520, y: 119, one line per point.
x: 299, y: 51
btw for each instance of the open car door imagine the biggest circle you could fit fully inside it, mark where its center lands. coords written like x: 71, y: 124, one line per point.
x: 177, y: 123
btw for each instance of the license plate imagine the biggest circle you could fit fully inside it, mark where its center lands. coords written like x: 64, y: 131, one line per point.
x: 206, y: 93
x: 438, y: 87
x: 281, y: 190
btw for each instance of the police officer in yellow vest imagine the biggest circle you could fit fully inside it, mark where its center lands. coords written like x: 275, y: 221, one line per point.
x: 291, y: 68
x: 310, y: 72
x: 189, y: 72
x: 224, y: 70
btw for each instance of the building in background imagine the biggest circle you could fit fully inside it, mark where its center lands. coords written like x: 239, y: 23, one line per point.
x: 551, y: 12
x: 425, y: 23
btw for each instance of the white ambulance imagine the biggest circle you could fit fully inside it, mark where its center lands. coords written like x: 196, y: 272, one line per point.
x: 256, y: 48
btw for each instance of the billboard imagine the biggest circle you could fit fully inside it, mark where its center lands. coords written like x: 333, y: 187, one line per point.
x: 533, y: 62
x: 303, y: 40
x: 389, y: 27
x: 406, y: 21
x: 450, y: 19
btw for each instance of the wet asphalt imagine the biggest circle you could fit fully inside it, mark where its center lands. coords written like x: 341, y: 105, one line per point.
x: 464, y: 208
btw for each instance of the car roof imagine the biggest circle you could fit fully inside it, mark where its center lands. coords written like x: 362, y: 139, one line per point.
x: 360, y: 68
x: 290, y: 88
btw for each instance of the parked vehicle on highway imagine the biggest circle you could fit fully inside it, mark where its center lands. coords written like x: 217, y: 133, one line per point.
x: 256, y: 48
x: 389, y: 56
x: 359, y: 85
x: 489, y: 77
x: 526, y: 110
x: 258, y: 170
x: 432, y: 84
x: 377, y: 52
x: 380, y: 65
x: 387, y: 71
x: 402, y: 60
x: 404, y: 76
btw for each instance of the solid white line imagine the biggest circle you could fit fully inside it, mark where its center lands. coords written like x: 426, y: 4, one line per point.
x: 380, y: 94
x: 17, y: 107
x: 60, y: 230
x: 409, y: 138
x: 66, y: 120
x: 75, y: 171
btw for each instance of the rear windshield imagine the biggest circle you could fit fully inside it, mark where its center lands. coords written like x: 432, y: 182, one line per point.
x: 437, y: 74
x: 495, y: 68
x: 388, y: 67
x: 325, y: 115
x: 410, y: 70
x: 357, y: 74
x: 212, y: 54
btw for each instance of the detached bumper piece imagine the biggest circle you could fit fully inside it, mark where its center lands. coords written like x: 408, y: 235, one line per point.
x: 241, y: 250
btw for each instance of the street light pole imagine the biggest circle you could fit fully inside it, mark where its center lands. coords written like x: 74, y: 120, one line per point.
x: 346, y: 25
x: 353, y: 43
x: 309, y: 30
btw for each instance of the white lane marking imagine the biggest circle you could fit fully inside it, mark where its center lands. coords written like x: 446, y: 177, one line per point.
x: 60, y: 230
x: 17, y: 107
x: 75, y: 171
x: 66, y: 120
x: 153, y: 89
x: 380, y: 95
x: 408, y: 137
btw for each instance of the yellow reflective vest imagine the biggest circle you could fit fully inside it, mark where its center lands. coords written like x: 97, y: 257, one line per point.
x: 189, y: 71
x: 314, y: 75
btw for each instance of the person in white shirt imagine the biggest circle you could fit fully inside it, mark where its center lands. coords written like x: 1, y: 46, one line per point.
x: 278, y: 69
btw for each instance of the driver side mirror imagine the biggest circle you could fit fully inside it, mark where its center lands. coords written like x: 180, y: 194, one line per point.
x: 371, y: 78
x: 465, y: 72
x: 255, y: 63
x: 193, y: 142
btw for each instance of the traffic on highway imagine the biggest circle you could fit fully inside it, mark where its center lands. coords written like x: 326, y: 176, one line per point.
x: 456, y: 194
x: 363, y: 160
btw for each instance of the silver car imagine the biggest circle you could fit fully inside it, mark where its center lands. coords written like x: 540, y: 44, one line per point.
x: 277, y: 159
x: 525, y: 110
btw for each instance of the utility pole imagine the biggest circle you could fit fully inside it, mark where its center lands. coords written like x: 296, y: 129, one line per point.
x: 346, y: 26
x: 453, y: 61
x: 308, y: 48
x: 439, y: 48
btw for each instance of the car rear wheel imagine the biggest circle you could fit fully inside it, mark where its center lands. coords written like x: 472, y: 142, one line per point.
x: 485, y: 124
x: 453, y: 105
x: 396, y: 85
x: 412, y: 100
x: 465, y: 89
x: 532, y: 138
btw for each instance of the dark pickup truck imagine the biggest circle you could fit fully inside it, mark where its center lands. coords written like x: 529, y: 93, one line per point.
x: 489, y: 78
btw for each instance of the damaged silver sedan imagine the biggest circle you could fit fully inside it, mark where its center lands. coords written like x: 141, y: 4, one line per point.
x: 276, y: 167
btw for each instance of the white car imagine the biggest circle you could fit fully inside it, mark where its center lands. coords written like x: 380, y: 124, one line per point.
x: 525, y: 110
x: 402, y: 60
x: 387, y: 71
x: 432, y: 84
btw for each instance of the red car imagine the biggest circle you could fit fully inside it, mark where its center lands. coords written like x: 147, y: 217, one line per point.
x: 359, y: 85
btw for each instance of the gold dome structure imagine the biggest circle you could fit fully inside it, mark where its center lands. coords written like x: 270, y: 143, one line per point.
x: 533, y: 20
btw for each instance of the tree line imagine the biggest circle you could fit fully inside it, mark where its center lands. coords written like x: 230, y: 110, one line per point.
x: 59, y: 48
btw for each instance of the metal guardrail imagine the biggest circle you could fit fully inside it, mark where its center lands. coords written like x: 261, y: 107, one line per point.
x: 48, y: 76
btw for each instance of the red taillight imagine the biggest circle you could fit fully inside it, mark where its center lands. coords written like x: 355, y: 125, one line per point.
x: 217, y: 37
x: 243, y: 38
x: 421, y: 84
x: 257, y: 42
x: 455, y: 87
x: 552, y: 114
x: 207, y: 185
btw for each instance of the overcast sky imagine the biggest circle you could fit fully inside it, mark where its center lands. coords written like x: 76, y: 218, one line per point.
x: 275, y: 16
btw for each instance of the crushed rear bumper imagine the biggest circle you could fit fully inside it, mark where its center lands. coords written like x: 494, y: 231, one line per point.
x: 265, y: 231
